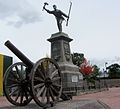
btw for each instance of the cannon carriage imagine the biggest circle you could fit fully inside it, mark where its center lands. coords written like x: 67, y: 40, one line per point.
x: 24, y: 81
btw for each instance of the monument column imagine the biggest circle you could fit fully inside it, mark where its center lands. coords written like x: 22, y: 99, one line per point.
x: 60, y: 51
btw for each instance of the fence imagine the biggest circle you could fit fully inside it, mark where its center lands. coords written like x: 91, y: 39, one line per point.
x: 84, y: 87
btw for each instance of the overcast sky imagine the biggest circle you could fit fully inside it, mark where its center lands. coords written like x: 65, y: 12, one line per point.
x: 94, y: 26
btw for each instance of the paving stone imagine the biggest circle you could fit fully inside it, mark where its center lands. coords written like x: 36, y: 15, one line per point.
x: 71, y: 104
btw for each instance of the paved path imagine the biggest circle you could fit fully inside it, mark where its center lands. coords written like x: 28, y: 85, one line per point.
x: 110, y: 97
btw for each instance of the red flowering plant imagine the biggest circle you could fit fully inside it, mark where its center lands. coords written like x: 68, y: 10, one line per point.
x: 87, y: 70
x: 90, y: 73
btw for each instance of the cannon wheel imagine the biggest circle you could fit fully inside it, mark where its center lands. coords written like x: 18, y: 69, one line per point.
x: 16, y: 86
x: 46, y: 82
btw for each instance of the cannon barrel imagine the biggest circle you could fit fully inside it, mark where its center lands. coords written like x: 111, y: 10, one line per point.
x: 19, y: 54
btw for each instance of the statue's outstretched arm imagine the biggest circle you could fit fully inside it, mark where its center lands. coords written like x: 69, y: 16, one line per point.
x: 50, y: 12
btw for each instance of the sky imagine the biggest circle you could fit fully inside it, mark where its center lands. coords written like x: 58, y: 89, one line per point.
x: 94, y: 26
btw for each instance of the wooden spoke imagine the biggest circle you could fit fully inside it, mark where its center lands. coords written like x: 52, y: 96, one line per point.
x: 40, y: 73
x: 57, y: 85
x: 28, y: 89
x: 51, y: 94
x: 42, y: 69
x: 22, y: 69
x: 17, y: 96
x: 13, y: 92
x: 13, y: 80
x: 21, y: 97
x: 54, y: 73
x: 26, y: 95
x: 22, y: 72
x: 14, y: 75
x: 17, y: 72
x: 48, y: 96
x: 44, y: 95
x: 56, y: 92
x: 40, y: 91
x: 38, y: 85
x: 56, y: 79
x: 13, y: 85
x: 48, y: 68
x: 39, y: 79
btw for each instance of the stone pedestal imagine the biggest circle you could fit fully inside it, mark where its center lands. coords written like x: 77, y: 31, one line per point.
x: 60, y: 51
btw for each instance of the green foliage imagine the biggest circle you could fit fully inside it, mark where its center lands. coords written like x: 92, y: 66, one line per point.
x: 94, y: 75
x: 77, y: 58
x: 96, y: 72
x: 114, y: 71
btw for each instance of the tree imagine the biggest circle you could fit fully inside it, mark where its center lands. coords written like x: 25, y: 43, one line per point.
x: 77, y: 58
x: 96, y: 72
x: 86, y: 69
x: 90, y: 73
x: 114, y: 71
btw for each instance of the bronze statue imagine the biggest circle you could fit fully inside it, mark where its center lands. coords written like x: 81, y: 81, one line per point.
x: 59, y: 15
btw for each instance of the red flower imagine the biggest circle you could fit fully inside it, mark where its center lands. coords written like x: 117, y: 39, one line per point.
x: 85, y: 68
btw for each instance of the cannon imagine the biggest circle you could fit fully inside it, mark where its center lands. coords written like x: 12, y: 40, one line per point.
x: 24, y: 81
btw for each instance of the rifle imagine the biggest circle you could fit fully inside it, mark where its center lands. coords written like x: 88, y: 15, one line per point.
x: 69, y: 14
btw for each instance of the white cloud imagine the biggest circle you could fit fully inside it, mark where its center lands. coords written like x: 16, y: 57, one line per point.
x: 18, y: 12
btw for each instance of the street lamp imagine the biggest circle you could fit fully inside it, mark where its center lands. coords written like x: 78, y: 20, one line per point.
x: 105, y: 72
x: 106, y: 66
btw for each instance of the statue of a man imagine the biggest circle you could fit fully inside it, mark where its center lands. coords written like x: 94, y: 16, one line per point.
x: 59, y: 15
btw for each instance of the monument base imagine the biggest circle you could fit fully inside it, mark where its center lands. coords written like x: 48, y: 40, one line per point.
x: 60, y: 51
x: 71, y: 78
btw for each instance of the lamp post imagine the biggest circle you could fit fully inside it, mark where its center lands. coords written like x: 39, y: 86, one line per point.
x: 104, y: 76
x: 105, y: 72
x: 106, y: 66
